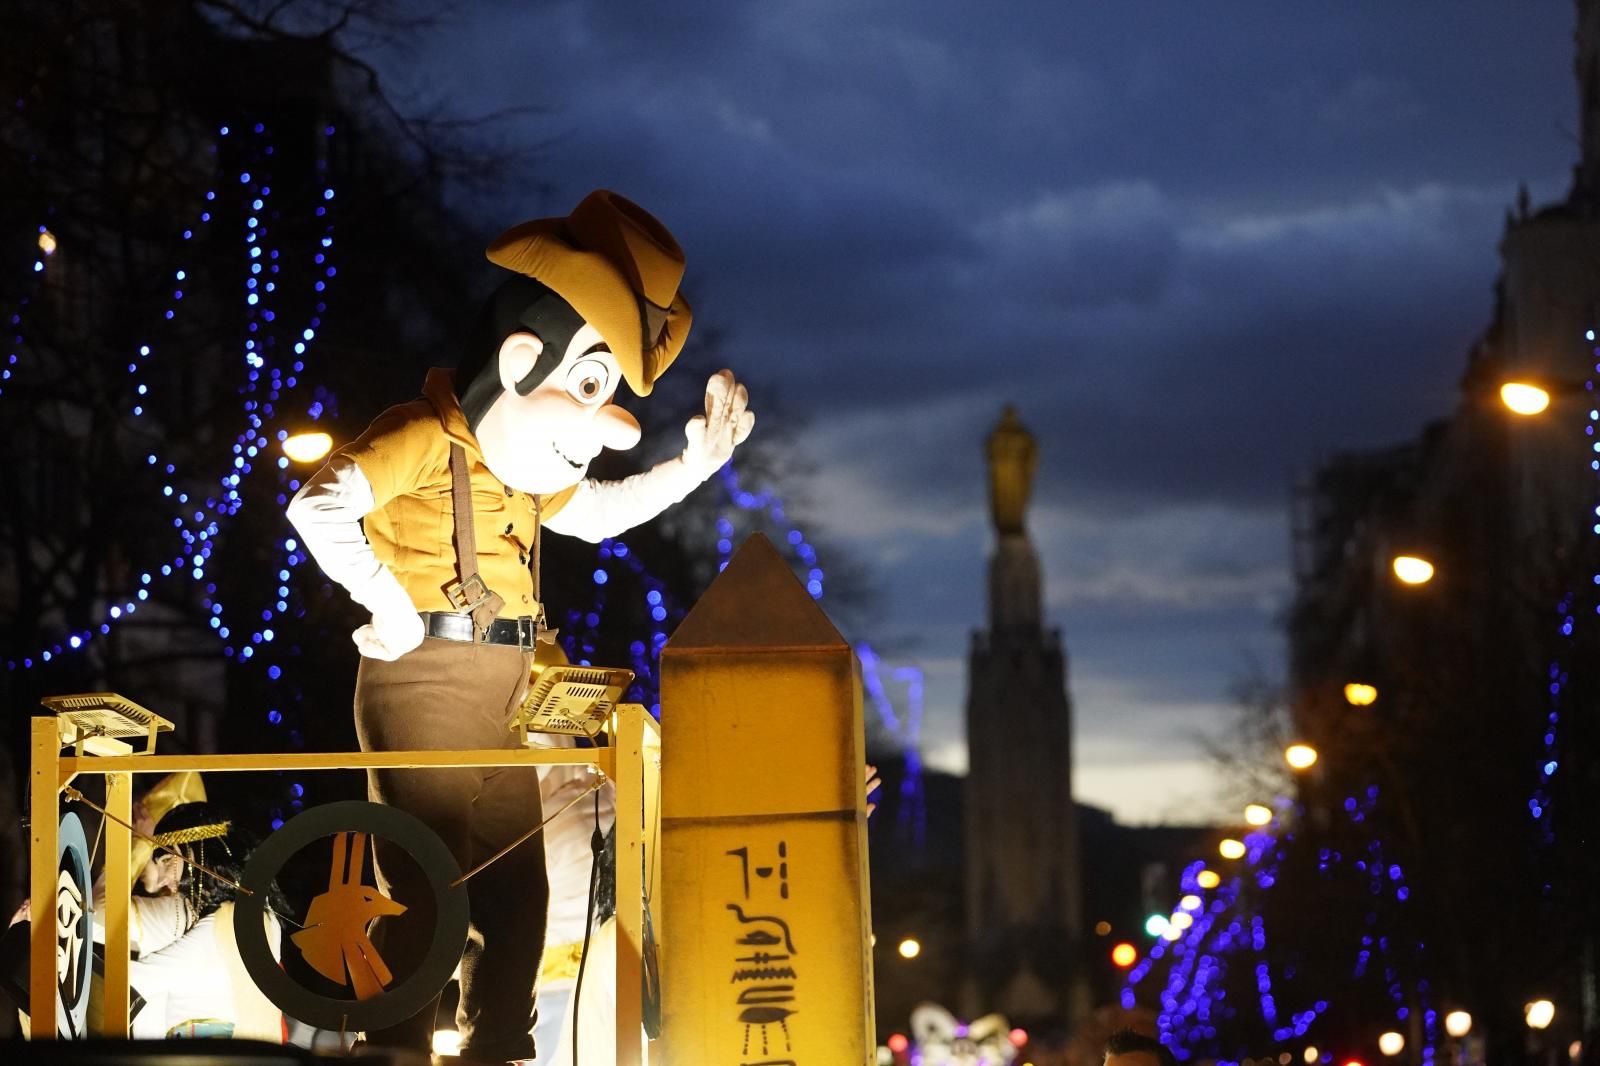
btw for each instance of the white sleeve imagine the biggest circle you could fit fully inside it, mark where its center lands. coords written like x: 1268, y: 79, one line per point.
x: 601, y: 509
x: 327, y: 513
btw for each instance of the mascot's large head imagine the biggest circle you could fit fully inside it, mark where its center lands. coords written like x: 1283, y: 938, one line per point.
x: 593, y: 301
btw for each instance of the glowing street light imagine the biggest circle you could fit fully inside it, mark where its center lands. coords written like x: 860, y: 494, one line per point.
x: 1357, y: 694
x: 1539, y: 1014
x: 1300, y: 756
x: 307, y: 447
x: 1413, y: 569
x: 1524, y: 398
x: 1458, y: 1023
x: 1124, y: 955
x: 1391, y: 1043
x: 1257, y: 814
x: 910, y: 948
x: 1208, y: 879
x: 1229, y: 848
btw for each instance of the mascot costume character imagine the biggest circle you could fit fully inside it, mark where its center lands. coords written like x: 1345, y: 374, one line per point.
x: 431, y: 520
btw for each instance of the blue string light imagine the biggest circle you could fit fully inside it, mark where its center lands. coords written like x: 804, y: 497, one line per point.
x: 45, y: 248
x: 912, y: 814
x: 767, y: 503
x: 1193, y: 1001
x: 263, y: 386
x: 1558, y: 677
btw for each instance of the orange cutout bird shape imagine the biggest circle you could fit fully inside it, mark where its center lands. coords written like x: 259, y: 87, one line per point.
x: 334, y: 941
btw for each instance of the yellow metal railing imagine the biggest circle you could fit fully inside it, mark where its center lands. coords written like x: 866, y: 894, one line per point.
x: 632, y: 762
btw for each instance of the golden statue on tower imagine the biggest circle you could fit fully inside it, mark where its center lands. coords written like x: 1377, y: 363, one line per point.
x: 1013, y: 457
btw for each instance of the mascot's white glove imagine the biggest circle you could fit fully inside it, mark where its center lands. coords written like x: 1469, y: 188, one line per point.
x: 327, y: 514
x: 601, y: 509
x: 396, y: 627
x: 725, y: 425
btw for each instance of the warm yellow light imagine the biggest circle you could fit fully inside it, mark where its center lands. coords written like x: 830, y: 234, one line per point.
x: 446, y: 1042
x: 1181, y: 920
x: 1359, y: 695
x: 1539, y: 1014
x: 1413, y: 569
x: 1230, y: 848
x: 1458, y: 1023
x: 1189, y: 903
x: 307, y: 447
x: 910, y: 948
x: 1124, y: 955
x: 1523, y: 398
x: 1208, y: 879
x: 1171, y: 932
x: 1312, y: 1054
x: 47, y: 242
x: 1102, y: 928
x: 1256, y: 814
x: 1300, y: 756
x: 1391, y: 1043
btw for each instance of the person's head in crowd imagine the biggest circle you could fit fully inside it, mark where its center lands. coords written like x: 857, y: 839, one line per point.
x: 1128, y: 1048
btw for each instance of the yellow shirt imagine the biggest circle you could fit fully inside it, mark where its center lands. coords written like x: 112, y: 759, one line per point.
x: 405, y: 455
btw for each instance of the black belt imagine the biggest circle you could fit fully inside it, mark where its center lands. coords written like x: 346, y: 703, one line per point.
x: 521, y: 632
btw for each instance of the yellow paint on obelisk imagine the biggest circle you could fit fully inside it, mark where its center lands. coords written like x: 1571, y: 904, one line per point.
x: 765, y: 956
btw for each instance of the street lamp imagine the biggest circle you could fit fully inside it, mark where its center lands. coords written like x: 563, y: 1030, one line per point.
x: 1300, y: 756
x: 307, y: 447
x: 1524, y: 397
x: 1458, y: 1023
x: 910, y: 948
x: 1360, y: 694
x: 1412, y: 569
x: 1539, y: 1014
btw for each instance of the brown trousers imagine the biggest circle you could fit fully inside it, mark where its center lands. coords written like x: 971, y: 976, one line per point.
x: 448, y: 695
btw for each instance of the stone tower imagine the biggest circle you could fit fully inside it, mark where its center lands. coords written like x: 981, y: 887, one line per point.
x: 1024, y: 879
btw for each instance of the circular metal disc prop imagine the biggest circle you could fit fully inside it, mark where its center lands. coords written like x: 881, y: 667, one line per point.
x: 391, y: 1005
x: 73, y: 915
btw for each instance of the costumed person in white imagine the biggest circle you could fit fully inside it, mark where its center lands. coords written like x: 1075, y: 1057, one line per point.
x: 570, y: 861
x: 186, y: 965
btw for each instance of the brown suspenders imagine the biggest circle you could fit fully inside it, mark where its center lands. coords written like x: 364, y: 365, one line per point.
x: 468, y: 592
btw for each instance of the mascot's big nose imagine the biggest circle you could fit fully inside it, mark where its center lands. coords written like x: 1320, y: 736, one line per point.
x: 617, y: 429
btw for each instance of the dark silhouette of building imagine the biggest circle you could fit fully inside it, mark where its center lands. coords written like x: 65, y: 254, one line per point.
x: 1024, y: 882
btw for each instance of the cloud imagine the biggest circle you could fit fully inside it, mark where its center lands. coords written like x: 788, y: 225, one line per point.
x: 1197, y: 248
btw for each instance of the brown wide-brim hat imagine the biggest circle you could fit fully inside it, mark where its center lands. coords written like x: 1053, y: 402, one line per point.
x: 620, y: 270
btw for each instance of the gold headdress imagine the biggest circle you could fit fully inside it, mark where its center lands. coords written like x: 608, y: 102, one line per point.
x: 192, y: 834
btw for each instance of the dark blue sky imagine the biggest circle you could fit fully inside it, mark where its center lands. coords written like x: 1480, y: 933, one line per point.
x: 1199, y: 246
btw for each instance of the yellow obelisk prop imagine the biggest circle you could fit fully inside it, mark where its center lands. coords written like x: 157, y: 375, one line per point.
x: 765, y: 954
